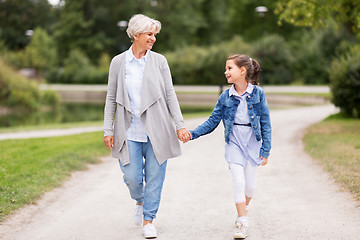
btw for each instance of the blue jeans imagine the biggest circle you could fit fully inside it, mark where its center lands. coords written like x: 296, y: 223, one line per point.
x: 149, y: 171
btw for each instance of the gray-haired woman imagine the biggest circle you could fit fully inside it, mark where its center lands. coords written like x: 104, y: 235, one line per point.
x: 140, y: 111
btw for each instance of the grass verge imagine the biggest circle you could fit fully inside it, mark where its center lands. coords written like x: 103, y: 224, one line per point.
x: 335, y: 144
x: 30, y: 167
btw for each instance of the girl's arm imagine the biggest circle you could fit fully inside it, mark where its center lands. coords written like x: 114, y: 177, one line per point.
x: 211, y: 123
x: 265, y: 127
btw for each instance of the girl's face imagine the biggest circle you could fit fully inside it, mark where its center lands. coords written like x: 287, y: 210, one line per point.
x: 233, y: 73
x: 146, y: 40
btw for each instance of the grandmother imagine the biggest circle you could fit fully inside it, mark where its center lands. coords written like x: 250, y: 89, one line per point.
x: 140, y: 111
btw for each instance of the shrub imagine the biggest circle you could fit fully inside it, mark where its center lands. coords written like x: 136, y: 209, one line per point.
x: 19, y: 92
x: 275, y: 59
x: 78, y: 70
x: 314, y: 50
x: 203, y: 65
x: 345, y: 82
x: 39, y: 54
x: 206, y: 65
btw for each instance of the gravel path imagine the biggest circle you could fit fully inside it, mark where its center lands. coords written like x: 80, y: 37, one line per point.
x: 294, y: 198
x: 49, y: 133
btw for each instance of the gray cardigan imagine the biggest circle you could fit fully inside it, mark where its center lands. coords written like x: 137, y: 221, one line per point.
x: 159, y: 108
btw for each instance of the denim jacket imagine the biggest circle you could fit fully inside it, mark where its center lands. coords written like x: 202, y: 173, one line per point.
x: 225, y: 110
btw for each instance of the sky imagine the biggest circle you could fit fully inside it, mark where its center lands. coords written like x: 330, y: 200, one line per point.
x: 53, y: 2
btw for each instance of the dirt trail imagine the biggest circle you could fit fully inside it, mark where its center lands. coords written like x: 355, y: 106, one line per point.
x: 294, y: 199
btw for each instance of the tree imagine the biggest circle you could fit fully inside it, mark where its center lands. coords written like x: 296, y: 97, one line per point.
x: 41, y: 51
x: 242, y: 19
x: 17, y: 16
x: 345, y: 82
x: 311, y: 13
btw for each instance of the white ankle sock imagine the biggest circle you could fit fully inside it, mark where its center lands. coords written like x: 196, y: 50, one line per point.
x: 244, y: 220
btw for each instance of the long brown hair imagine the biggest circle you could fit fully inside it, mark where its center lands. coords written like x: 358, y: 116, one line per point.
x: 252, y: 67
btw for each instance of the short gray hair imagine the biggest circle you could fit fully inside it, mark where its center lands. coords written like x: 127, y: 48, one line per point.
x: 140, y: 23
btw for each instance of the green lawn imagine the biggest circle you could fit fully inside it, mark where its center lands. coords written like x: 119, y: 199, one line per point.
x: 30, y: 167
x: 335, y: 144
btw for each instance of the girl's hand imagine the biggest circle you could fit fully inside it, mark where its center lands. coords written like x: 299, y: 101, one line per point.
x: 184, y: 135
x: 109, y: 141
x: 265, y: 160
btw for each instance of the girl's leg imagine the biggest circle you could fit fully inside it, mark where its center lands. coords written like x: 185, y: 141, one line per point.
x: 250, y: 181
x: 238, y: 178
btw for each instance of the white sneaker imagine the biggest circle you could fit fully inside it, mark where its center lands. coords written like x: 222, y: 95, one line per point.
x: 138, y: 215
x: 241, y: 232
x: 149, y: 231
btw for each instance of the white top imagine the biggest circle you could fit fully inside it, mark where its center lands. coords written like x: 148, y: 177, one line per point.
x: 134, y: 72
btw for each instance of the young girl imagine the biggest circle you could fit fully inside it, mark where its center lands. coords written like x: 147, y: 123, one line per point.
x: 245, y: 115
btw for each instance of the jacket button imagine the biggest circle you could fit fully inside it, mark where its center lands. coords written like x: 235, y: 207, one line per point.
x: 255, y: 127
x: 250, y: 107
x: 252, y: 117
x: 259, y: 138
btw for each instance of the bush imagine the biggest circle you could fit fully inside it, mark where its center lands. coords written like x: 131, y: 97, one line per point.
x: 79, y: 70
x: 275, y: 59
x: 206, y: 65
x: 203, y: 65
x: 19, y: 92
x: 39, y: 54
x: 345, y: 82
x: 314, y: 51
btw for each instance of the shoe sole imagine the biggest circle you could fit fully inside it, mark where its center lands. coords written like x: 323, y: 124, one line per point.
x: 242, y: 237
x: 150, y: 237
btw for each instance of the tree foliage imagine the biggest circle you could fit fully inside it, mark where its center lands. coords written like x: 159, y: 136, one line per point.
x: 18, y: 16
x: 345, y: 82
x: 316, y: 13
x: 18, y: 92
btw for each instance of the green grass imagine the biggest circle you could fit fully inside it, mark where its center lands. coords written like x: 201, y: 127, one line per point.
x: 335, y: 144
x: 322, y: 95
x: 51, y: 126
x: 30, y: 167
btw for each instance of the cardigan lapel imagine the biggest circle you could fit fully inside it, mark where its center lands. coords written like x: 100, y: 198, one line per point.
x: 150, y: 91
x: 122, y: 96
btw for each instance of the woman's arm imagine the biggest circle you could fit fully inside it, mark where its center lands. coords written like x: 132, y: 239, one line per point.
x: 110, y: 103
x: 171, y: 99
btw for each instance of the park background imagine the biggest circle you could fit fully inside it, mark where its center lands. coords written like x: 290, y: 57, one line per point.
x: 72, y: 42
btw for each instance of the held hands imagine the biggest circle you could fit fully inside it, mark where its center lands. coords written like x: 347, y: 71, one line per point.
x: 109, y: 142
x: 264, y: 162
x: 183, y: 135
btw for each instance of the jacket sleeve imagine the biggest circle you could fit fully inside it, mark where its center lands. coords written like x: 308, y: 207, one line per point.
x: 110, y: 103
x: 211, y: 123
x: 171, y: 99
x: 265, y: 127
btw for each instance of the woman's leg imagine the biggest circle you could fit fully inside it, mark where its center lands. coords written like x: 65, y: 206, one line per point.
x: 154, y: 179
x: 133, y: 172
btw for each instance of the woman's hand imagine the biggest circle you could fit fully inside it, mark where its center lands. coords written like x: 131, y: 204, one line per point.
x: 109, y: 142
x: 183, y: 135
x: 265, y: 160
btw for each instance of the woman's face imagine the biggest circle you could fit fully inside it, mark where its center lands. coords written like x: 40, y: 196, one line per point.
x: 233, y: 73
x: 146, y: 40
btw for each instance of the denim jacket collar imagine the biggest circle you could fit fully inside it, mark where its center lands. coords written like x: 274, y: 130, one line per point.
x: 248, y: 91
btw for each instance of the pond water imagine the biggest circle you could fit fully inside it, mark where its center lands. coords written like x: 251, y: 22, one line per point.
x: 71, y: 112
x: 64, y: 114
